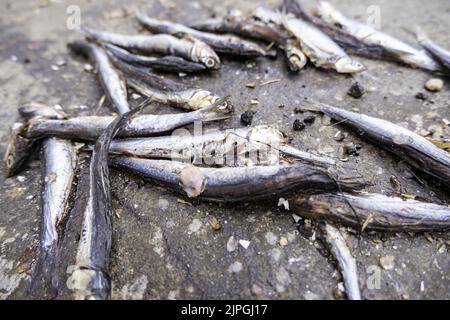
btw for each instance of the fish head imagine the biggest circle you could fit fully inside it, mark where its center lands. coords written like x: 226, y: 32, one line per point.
x: 203, y: 98
x: 349, y: 65
x: 296, y: 57
x: 89, y: 284
x: 205, y: 54
x: 18, y: 149
x: 36, y: 109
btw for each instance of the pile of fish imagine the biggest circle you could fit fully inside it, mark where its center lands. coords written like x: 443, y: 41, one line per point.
x: 232, y: 165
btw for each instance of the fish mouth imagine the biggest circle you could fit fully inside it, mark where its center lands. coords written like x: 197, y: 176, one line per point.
x: 348, y: 65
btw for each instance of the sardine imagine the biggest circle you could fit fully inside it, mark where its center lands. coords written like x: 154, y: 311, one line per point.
x: 89, y: 128
x: 165, y: 64
x: 166, y: 91
x: 346, y: 261
x: 90, y: 280
x: 439, y: 53
x: 234, y: 184
x: 319, y: 47
x: 369, y: 35
x: 113, y: 83
x: 187, y: 47
x: 416, y: 150
x: 60, y: 158
x: 374, y: 212
x: 226, y: 44
x: 260, y: 145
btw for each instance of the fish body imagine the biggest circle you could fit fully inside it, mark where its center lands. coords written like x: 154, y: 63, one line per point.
x: 345, y: 259
x: 187, y: 47
x: 226, y: 44
x: 112, y: 81
x: 416, y: 150
x: 231, y: 184
x: 319, y: 47
x: 371, y: 36
x: 166, y: 64
x: 374, y: 212
x: 59, y: 174
x: 439, y: 53
x: 89, y: 128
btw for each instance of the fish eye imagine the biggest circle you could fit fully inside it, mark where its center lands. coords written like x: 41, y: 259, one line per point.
x: 210, y: 63
x: 9, y: 161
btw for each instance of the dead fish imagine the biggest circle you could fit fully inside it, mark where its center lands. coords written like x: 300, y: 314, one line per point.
x: 167, y: 91
x: 413, y: 148
x: 226, y: 44
x: 90, y: 127
x: 233, y: 184
x: 112, y: 81
x: 439, y: 53
x: 371, y: 36
x: 319, y: 47
x: 345, y: 259
x: 166, y: 64
x: 18, y: 149
x: 374, y: 211
x: 261, y: 145
x: 36, y: 109
x: 187, y: 47
x: 90, y: 280
x: 60, y: 158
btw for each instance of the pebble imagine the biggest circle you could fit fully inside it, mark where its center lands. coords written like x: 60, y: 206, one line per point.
x: 387, y: 262
x: 271, y: 238
x: 434, y: 85
x: 309, y: 119
x: 235, y: 267
x: 231, y: 244
x: 247, y: 117
x: 20, y: 178
x: 421, y: 96
x: 163, y: 204
x: 88, y: 67
x: 244, y: 243
x: 298, y: 125
x: 296, y: 218
x: 356, y: 90
x: 339, y: 136
x: 283, y: 241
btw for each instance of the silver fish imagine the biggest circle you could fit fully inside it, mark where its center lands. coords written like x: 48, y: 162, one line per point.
x: 60, y: 158
x: 260, y: 145
x: 374, y: 212
x: 165, y: 64
x: 90, y: 127
x: 90, y: 280
x: 187, y: 47
x: 166, y: 91
x: 226, y: 44
x: 439, y: 53
x: 369, y: 35
x: 113, y: 83
x: 416, y: 150
x: 234, y: 184
x: 319, y: 47
x: 345, y: 259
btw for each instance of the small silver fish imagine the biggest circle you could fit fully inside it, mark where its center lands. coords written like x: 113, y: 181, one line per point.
x: 374, y: 212
x: 187, y: 47
x: 345, y: 259
x: 234, y: 184
x: 439, y: 53
x: 113, y: 83
x: 226, y: 44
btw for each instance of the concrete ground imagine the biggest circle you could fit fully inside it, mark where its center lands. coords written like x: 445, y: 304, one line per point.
x: 164, y: 249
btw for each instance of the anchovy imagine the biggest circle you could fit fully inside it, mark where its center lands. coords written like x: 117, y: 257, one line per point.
x: 187, y: 47
x: 371, y: 36
x: 319, y: 47
x: 90, y: 127
x: 234, y: 184
x: 112, y: 81
x: 374, y: 212
x: 439, y: 53
x: 166, y: 91
x: 59, y: 173
x: 226, y: 44
x: 257, y: 145
x: 166, y: 64
x: 345, y: 259
x: 90, y: 280
x: 416, y: 150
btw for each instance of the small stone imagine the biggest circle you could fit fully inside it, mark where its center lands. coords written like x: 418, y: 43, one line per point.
x: 298, y: 125
x: 356, y: 90
x: 296, y: 218
x: 247, y: 117
x: 257, y: 290
x: 283, y: 241
x: 244, y: 243
x: 309, y: 119
x: 20, y: 178
x: 235, y: 267
x: 163, y: 204
x: 387, y: 262
x: 446, y: 122
x: 60, y: 62
x: 88, y: 67
x: 250, y: 85
x: 182, y: 74
x: 135, y: 96
x: 283, y: 202
x: 339, y: 136
x: 298, y: 110
x: 271, y: 238
x: 436, y: 131
x: 424, y: 133
x: 54, y: 67
x: 231, y: 244
x: 421, y: 96
x: 434, y: 85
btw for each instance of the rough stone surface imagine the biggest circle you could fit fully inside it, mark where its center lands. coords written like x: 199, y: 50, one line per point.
x: 165, y: 249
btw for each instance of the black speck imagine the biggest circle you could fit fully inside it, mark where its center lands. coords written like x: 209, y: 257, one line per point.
x: 421, y: 96
x: 298, y: 110
x: 303, y: 86
x: 247, y: 117
x: 309, y: 119
x: 356, y: 90
x: 298, y: 125
x: 281, y: 106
